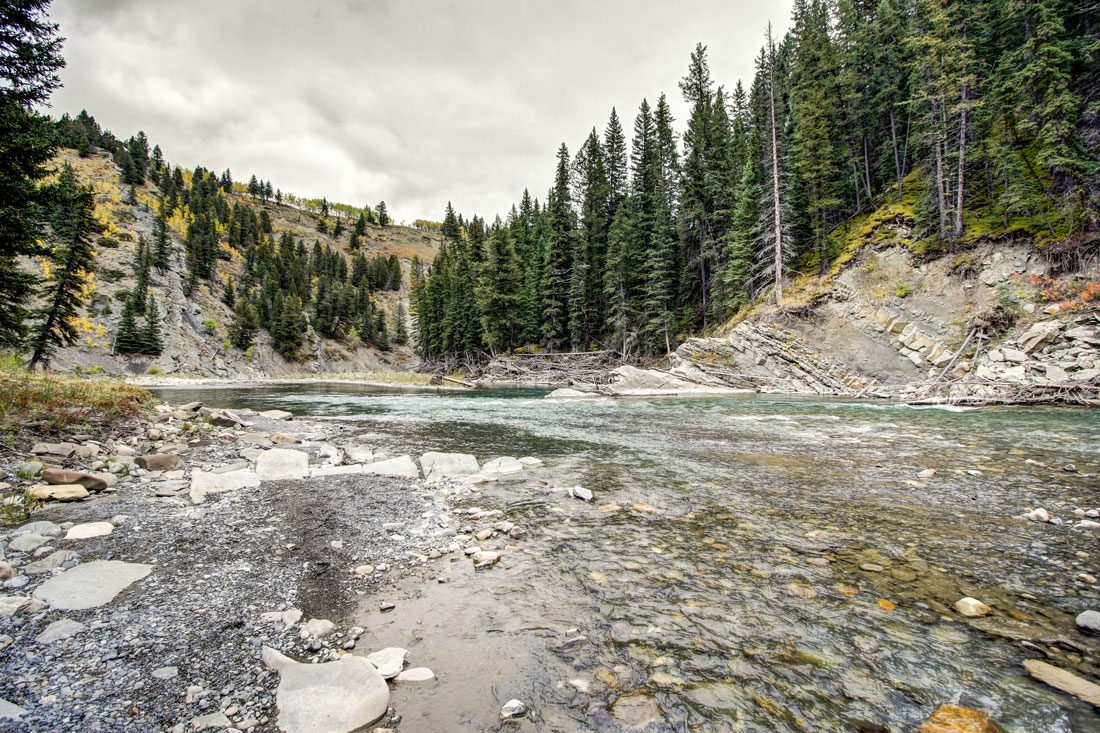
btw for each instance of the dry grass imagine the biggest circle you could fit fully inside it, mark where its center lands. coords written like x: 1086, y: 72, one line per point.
x: 53, y: 404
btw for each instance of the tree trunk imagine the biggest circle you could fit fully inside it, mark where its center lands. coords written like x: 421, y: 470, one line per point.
x: 775, y: 193
x: 894, y: 145
x: 962, y: 166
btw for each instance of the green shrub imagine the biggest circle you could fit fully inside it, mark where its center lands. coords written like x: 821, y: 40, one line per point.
x: 210, y: 325
x: 903, y: 290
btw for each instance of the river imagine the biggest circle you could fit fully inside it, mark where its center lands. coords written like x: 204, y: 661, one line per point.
x: 748, y: 563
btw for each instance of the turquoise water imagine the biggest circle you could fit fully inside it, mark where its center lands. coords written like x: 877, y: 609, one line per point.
x: 736, y: 598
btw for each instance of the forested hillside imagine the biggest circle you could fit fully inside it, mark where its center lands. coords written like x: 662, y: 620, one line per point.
x: 964, y: 122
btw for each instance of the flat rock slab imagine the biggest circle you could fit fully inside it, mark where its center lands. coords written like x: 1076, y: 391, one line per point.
x: 90, y: 585
x: 27, y: 542
x: 64, y: 476
x: 1067, y: 682
x: 58, y: 630
x: 334, y: 697
x: 279, y: 464
x: 49, y: 529
x: 204, y: 483
x: 402, y: 466
x: 9, y: 710
x: 276, y: 414
x: 60, y: 492
x: 89, y: 529
x: 388, y: 661
x: 159, y: 461
x: 505, y: 464
x: 447, y: 465
x: 351, y: 468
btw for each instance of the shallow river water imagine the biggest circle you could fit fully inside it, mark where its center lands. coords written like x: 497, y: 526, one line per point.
x: 749, y: 563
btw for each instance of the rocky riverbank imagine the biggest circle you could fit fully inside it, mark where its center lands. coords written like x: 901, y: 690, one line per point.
x: 202, y: 571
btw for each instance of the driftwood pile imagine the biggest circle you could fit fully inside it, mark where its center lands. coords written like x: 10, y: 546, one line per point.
x: 571, y: 368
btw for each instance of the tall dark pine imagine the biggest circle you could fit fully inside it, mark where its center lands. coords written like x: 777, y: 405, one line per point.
x: 29, y: 62
x: 557, y: 268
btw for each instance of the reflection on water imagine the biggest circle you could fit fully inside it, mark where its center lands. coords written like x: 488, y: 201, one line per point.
x: 740, y: 599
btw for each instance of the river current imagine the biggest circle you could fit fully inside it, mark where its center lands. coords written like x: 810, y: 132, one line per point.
x: 748, y: 563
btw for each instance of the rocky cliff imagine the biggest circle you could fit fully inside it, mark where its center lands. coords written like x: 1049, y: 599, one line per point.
x: 992, y: 321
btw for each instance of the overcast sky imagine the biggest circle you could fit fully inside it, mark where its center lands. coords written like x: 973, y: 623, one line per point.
x: 411, y: 102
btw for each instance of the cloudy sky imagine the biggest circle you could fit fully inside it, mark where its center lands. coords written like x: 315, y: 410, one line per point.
x: 414, y: 102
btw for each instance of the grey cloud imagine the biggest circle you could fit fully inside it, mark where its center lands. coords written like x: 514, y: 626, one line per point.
x: 414, y: 102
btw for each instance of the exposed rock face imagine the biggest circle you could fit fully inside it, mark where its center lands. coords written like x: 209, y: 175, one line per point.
x: 762, y: 356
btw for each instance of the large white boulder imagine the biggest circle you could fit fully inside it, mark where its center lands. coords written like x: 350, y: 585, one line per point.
x: 335, y: 697
x: 402, y: 466
x: 447, y: 465
x: 278, y: 464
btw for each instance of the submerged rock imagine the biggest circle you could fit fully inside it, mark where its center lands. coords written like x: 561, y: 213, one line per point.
x: 415, y: 675
x: 513, y: 709
x: 334, y: 697
x: 955, y: 719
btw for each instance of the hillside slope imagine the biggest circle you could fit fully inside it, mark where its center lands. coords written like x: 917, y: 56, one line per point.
x: 195, y: 328
x: 994, y: 319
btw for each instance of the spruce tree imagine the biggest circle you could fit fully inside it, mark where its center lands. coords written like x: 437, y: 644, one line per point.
x: 162, y: 249
x: 243, y: 327
x: 556, y: 272
x: 400, y: 330
x: 28, y: 74
x: 127, y: 337
x: 150, y: 338
x: 289, y: 329
x: 73, y: 257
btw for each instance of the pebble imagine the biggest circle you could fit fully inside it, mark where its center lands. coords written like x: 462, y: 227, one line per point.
x: 871, y: 567
x: 166, y: 673
x: 972, y: 607
x: 1089, y: 621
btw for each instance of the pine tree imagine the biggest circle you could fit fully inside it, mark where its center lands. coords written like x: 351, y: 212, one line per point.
x: 289, y: 329
x: 586, y: 297
x: 243, y: 327
x: 498, y: 290
x: 28, y: 74
x: 162, y: 248
x: 614, y: 153
x: 73, y: 257
x: 556, y: 272
x: 229, y: 295
x: 383, y: 214
x: 127, y: 337
x: 400, y: 330
x: 150, y: 339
